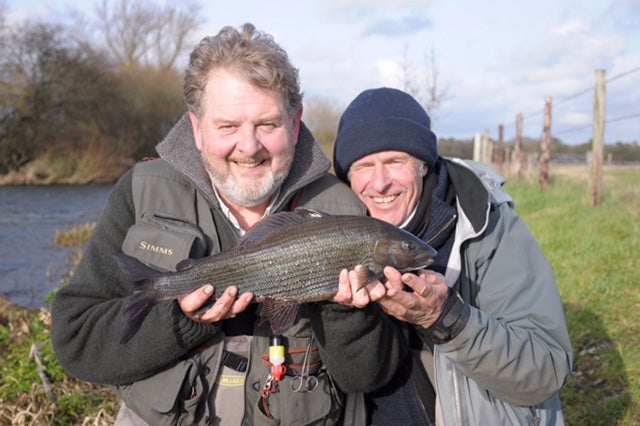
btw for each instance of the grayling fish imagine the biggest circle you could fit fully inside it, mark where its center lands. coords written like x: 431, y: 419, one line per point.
x: 284, y: 260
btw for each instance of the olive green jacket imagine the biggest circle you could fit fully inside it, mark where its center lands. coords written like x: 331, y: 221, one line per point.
x: 87, y: 313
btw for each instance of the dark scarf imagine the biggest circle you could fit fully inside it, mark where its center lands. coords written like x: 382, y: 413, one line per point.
x: 436, y: 215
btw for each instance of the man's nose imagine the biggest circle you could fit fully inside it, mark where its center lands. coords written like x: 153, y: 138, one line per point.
x: 380, y: 179
x: 249, y: 140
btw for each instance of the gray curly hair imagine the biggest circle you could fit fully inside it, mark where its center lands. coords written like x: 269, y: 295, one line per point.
x: 252, y: 53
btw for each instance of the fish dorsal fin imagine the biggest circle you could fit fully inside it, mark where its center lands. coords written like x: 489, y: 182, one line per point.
x: 186, y: 264
x: 276, y: 222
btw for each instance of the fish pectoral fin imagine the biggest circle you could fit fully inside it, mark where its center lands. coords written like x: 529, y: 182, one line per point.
x: 364, y: 275
x: 281, y: 315
x: 197, y: 315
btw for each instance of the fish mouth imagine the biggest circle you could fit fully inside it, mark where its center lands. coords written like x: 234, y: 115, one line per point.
x: 425, y: 257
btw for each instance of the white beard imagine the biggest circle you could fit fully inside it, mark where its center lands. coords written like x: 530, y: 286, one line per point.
x: 248, y: 195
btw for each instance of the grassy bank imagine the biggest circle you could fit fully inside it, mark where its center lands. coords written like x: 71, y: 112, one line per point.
x: 593, y: 252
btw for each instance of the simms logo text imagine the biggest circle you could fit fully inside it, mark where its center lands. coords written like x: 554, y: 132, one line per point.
x: 161, y: 250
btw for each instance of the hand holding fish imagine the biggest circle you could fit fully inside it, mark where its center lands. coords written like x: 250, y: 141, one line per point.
x: 226, y: 305
x: 350, y: 290
x: 424, y: 305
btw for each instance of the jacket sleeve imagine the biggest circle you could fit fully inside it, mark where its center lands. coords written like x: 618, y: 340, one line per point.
x: 516, y: 343
x: 362, y: 348
x: 87, y: 313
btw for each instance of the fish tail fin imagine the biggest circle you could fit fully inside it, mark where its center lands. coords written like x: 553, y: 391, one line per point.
x: 142, y: 278
x: 137, y: 310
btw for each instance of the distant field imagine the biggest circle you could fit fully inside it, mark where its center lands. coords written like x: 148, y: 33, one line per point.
x: 595, y: 255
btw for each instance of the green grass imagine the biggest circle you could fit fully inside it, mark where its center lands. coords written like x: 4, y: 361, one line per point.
x: 594, y: 253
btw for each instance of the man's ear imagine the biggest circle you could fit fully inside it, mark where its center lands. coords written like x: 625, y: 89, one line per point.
x: 424, y: 169
x: 195, y: 124
x: 297, y: 119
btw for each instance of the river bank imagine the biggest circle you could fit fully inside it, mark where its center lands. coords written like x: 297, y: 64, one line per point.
x: 31, y: 264
x: 49, y: 171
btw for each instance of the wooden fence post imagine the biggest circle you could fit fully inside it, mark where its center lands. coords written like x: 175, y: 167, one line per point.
x: 599, y: 115
x: 519, y: 153
x: 477, y: 148
x: 500, y: 154
x: 487, y: 145
x: 545, y: 156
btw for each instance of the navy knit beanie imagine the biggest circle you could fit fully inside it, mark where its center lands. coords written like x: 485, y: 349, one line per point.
x: 383, y: 119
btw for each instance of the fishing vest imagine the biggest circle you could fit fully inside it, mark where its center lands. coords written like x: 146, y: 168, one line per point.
x: 231, y: 380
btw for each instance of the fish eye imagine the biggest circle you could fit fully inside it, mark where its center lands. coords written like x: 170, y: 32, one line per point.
x: 408, y: 246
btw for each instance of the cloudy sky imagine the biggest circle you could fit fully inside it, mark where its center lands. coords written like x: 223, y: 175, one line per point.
x: 494, y: 58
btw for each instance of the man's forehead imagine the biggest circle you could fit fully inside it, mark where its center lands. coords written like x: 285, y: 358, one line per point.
x: 385, y: 156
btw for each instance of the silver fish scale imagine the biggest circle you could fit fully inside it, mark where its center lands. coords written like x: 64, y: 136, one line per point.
x: 299, y: 263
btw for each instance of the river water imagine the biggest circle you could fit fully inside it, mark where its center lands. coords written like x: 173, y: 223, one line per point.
x: 31, y: 266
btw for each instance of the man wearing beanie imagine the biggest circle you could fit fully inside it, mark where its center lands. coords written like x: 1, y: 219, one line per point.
x: 490, y: 344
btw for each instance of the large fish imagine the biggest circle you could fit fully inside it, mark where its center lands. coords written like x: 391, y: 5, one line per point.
x: 284, y: 260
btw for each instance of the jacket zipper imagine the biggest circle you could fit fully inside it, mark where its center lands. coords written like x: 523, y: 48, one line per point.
x: 423, y: 409
x: 443, y: 229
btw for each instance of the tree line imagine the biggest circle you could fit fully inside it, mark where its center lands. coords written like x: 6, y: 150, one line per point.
x: 106, y: 84
x: 64, y: 91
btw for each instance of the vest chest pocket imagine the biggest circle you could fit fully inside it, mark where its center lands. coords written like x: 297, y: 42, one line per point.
x: 305, y: 395
x: 162, y: 241
x: 321, y: 406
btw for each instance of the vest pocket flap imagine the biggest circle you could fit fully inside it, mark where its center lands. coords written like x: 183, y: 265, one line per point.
x: 161, y: 248
x: 165, y: 391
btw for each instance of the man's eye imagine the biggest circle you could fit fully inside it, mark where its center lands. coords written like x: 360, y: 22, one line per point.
x: 361, y: 167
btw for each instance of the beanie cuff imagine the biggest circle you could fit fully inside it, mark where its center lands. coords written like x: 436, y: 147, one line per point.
x: 389, y: 134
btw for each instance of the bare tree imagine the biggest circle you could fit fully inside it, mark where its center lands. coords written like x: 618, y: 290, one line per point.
x: 408, y: 75
x: 3, y: 8
x: 436, y: 92
x: 432, y: 93
x: 143, y: 33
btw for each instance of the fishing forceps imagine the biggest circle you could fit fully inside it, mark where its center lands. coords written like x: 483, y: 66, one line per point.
x: 304, y: 382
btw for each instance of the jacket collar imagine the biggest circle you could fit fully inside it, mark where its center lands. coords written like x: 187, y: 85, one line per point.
x: 474, y: 201
x: 178, y: 148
